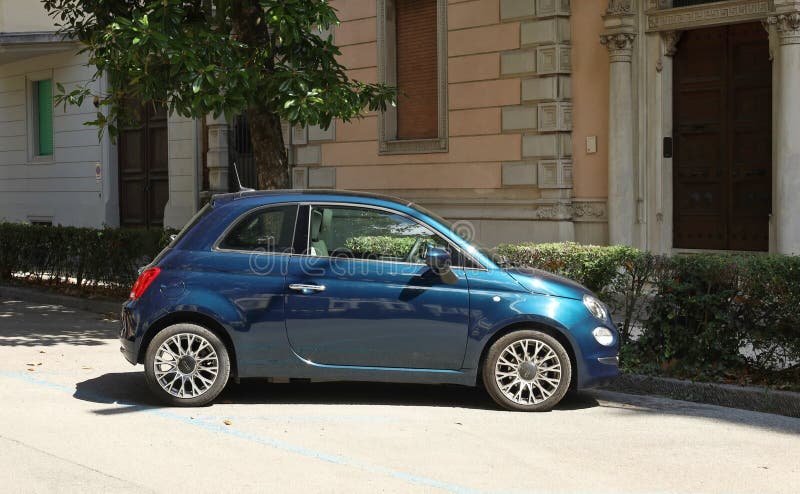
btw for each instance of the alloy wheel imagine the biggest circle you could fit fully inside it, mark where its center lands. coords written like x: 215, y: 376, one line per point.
x: 186, y: 365
x: 528, y: 372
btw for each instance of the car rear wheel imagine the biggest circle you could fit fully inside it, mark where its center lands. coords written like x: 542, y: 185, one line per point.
x: 186, y: 365
x: 527, y: 371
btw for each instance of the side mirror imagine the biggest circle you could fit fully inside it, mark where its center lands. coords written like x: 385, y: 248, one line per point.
x: 438, y: 260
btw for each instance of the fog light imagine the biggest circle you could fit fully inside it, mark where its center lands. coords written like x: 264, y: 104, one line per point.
x: 604, y: 336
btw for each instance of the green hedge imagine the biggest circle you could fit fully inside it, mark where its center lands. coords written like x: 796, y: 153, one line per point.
x: 107, y: 258
x: 721, y: 317
x: 383, y: 246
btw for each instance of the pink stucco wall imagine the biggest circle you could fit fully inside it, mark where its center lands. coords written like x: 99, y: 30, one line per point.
x: 590, y: 99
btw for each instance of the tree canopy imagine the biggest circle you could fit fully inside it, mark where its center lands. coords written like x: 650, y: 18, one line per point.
x: 269, y: 58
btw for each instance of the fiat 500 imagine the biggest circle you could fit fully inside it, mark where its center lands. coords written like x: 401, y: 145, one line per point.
x: 333, y: 285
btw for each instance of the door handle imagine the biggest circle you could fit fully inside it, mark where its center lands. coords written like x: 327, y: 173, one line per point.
x: 306, y: 289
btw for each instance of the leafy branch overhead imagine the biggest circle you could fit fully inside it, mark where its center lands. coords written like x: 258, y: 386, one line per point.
x: 208, y: 57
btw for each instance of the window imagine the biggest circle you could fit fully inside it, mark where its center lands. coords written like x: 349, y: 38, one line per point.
x: 364, y: 233
x: 412, y: 46
x: 265, y: 230
x: 43, y: 117
x: 417, y: 114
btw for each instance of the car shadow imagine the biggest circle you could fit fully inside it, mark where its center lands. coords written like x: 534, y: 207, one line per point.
x: 128, y: 389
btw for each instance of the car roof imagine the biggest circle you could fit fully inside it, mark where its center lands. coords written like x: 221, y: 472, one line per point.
x: 254, y: 194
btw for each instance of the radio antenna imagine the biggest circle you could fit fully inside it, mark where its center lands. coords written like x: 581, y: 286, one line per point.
x: 242, y: 188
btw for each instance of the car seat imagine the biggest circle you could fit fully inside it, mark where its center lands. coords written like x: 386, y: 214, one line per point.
x: 320, y: 222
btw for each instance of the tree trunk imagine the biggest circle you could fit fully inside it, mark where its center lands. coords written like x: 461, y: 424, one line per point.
x: 272, y: 163
x: 269, y: 153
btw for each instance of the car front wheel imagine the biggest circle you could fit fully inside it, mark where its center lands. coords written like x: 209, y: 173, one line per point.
x: 527, y: 371
x: 186, y: 365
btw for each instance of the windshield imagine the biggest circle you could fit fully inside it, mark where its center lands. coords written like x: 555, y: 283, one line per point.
x: 466, y: 231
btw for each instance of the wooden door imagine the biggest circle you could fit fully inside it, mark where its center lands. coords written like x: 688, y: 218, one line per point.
x: 723, y: 140
x: 143, y: 169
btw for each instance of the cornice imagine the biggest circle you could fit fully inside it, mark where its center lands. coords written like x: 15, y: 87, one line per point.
x: 707, y: 14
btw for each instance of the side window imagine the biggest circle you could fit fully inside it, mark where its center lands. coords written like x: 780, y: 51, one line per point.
x: 266, y: 230
x: 364, y: 233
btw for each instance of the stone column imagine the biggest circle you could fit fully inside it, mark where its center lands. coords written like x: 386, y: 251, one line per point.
x: 786, y: 172
x: 217, y: 157
x: 621, y: 171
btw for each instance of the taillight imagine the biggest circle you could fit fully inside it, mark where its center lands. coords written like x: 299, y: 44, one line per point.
x: 143, y: 281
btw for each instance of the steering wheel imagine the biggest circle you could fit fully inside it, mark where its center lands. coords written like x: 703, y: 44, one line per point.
x: 412, y: 254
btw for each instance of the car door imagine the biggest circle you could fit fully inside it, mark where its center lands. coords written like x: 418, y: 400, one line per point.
x: 363, y: 296
x: 247, y: 269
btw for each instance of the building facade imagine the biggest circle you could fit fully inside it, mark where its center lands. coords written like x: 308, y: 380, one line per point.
x: 56, y: 170
x: 663, y: 124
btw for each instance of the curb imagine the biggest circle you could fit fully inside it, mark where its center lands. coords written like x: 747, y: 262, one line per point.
x: 756, y: 399
x: 39, y: 296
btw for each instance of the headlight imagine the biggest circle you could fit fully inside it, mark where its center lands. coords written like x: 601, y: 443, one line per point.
x: 596, y: 307
x: 604, y: 336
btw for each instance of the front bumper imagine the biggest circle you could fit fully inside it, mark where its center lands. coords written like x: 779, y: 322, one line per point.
x: 599, y: 370
x: 609, y: 360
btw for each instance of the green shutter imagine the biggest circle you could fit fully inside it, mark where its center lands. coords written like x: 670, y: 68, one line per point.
x: 44, y: 107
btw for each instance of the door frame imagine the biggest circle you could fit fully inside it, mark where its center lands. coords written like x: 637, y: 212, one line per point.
x: 726, y: 128
x: 144, y: 125
x: 660, y: 31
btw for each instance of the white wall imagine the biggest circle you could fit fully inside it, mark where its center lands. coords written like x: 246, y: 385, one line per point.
x: 64, y: 189
x: 183, y: 160
x: 24, y: 16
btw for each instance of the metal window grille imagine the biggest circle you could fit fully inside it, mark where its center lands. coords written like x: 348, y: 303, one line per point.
x: 240, y: 151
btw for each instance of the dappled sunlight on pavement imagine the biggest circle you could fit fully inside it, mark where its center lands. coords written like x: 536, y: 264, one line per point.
x: 26, y: 324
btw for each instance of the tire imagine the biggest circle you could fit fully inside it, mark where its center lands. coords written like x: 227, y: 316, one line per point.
x: 188, y: 380
x: 536, y: 386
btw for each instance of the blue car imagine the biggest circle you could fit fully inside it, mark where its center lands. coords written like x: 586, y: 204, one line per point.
x: 333, y: 285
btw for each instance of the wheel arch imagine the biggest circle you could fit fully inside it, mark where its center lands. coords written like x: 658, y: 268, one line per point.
x: 190, y: 317
x: 548, y: 329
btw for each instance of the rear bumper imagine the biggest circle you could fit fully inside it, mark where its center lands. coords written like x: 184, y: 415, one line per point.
x: 127, y: 335
x: 126, y: 348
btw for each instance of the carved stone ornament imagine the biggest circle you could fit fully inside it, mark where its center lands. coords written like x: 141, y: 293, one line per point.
x: 788, y: 26
x: 619, y: 7
x: 671, y: 39
x: 559, y: 211
x: 619, y: 46
x: 619, y: 41
x: 576, y: 211
x: 706, y: 14
x: 588, y: 211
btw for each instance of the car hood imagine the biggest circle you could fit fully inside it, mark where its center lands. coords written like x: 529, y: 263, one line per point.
x: 538, y: 281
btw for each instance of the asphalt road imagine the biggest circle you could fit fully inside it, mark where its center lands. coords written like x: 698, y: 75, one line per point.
x: 75, y: 417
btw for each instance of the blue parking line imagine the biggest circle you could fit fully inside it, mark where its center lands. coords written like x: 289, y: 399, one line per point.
x: 258, y: 439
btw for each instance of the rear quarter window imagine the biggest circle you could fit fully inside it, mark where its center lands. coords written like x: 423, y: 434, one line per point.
x: 266, y: 230
x: 189, y: 225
